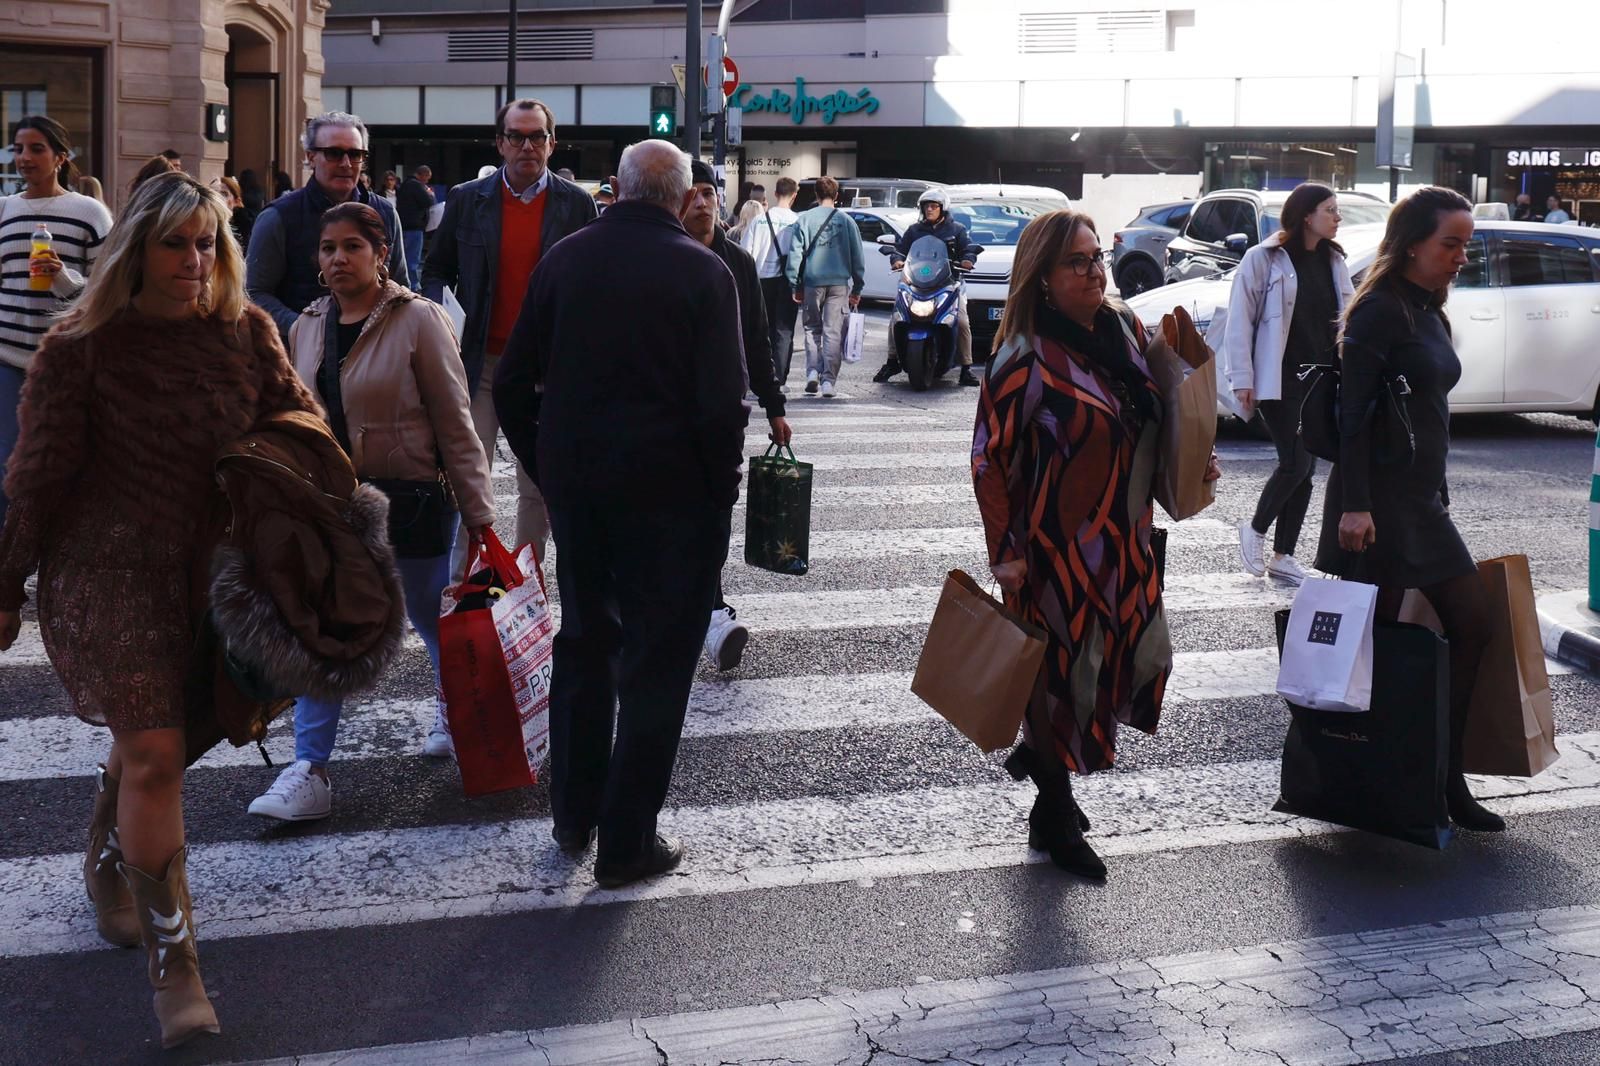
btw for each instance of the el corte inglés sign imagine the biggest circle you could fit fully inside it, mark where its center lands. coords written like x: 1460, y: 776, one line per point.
x: 801, y: 104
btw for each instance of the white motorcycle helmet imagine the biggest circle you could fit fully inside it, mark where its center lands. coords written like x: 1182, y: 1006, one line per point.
x: 935, y: 196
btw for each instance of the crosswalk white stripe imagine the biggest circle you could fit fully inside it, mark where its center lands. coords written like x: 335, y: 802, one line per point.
x: 856, y: 544
x: 893, y: 424
x: 1423, y: 989
x: 62, y: 746
x: 385, y: 877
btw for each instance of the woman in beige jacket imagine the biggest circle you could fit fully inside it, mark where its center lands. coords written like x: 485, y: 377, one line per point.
x: 386, y: 365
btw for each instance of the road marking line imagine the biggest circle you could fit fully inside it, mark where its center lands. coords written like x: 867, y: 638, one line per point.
x: 1356, y: 997
x: 386, y: 877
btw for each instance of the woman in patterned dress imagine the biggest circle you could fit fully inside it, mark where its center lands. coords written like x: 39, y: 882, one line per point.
x: 1063, y: 461
x: 157, y: 365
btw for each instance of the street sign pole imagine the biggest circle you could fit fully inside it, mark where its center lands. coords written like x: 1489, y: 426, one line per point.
x: 691, y: 88
x: 717, y: 102
x: 1594, y: 531
x: 511, y: 56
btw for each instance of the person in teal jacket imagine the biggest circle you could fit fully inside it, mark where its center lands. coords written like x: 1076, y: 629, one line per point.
x: 827, y: 272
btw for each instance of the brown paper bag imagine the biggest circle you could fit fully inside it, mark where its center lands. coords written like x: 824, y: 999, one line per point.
x: 1185, y: 372
x: 1511, y: 728
x: 978, y: 663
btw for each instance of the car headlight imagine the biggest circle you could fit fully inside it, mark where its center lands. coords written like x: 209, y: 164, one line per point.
x: 922, y: 308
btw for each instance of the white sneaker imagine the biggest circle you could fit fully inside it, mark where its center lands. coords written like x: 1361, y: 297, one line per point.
x: 438, y: 744
x: 298, y: 795
x: 811, y: 381
x: 1284, y: 568
x: 827, y: 390
x: 1252, y: 550
x: 725, y: 639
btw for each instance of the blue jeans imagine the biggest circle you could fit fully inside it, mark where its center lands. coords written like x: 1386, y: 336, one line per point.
x: 10, y: 401
x: 316, y: 722
x: 413, y: 245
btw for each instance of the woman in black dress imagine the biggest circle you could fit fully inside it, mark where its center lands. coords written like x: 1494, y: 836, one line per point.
x: 1385, y: 521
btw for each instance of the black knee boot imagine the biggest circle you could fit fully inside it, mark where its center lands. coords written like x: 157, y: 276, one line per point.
x: 1465, y: 811
x: 1056, y: 824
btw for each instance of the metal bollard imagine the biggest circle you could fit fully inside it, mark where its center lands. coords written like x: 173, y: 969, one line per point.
x: 1594, y: 531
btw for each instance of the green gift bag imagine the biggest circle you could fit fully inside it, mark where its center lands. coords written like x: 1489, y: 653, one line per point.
x: 777, y: 527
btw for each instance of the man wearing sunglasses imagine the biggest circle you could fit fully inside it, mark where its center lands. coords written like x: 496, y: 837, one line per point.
x: 494, y: 232
x: 281, y: 262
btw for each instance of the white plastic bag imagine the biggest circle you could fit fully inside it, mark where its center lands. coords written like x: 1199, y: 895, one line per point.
x: 1327, y: 650
x: 457, y: 313
x: 855, y: 335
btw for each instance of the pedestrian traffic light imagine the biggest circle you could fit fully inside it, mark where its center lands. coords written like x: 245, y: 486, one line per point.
x: 663, y: 111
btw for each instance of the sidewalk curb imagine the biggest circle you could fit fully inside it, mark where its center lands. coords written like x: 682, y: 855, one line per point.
x: 1570, y: 630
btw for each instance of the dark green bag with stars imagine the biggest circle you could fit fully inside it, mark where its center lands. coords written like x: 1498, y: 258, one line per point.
x: 777, y: 528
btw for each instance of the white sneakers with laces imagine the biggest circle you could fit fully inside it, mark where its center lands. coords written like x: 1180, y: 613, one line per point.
x: 298, y: 795
x: 1286, y: 569
x: 827, y: 390
x: 1252, y: 550
x: 726, y: 638
x: 438, y: 744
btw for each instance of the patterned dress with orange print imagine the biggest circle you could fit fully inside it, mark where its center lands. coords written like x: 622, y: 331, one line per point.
x: 1063, y: 466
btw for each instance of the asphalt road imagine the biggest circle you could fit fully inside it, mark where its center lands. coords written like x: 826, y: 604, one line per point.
x: 847, y: 849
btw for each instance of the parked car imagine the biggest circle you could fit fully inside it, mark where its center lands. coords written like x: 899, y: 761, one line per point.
x: 877, y: 192
x: 1042, y: 193
x: 1227, y: 223
x: 874, y: 222
x: 1139, y: 249
x: 1524, y: 312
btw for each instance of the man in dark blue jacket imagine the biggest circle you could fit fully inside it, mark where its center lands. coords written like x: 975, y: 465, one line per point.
x: 281, y: 262
x: 936, y: 222
x: 621, y: 389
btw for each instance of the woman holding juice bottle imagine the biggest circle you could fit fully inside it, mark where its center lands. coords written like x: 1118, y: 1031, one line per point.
x: 60, y: 232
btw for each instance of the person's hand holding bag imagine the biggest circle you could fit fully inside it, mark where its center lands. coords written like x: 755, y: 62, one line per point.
x: 1010, y: 576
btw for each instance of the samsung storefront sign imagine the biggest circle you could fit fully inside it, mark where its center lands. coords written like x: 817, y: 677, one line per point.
x: 1569, y: 158
x: 801, y: 104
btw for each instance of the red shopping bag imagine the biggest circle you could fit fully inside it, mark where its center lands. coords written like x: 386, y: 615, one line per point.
x: 496, y: 638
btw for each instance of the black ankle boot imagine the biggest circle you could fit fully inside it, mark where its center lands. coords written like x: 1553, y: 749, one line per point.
x: 967, y: 377
x: 1023, y: 763
x: 887, y: 371
x: 1052, y: 827
x: 1467, y: 812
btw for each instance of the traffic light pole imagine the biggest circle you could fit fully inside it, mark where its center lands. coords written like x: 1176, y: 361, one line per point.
x: 693, y: 102
x: 511, y: 56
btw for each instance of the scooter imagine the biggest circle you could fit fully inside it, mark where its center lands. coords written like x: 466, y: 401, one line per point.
x: 922, y: 332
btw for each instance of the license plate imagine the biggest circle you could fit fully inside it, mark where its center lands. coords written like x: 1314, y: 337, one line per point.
x: 995, y: 313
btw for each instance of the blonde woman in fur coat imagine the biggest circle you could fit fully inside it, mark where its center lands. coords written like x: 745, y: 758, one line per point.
x: 158, y: 364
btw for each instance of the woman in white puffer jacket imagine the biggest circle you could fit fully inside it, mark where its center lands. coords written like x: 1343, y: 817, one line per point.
x: 1283, y: 313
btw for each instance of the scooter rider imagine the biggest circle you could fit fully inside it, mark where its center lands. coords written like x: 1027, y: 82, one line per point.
x: 934, y: 206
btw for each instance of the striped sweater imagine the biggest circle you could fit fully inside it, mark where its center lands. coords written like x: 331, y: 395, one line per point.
x: 78, y: 225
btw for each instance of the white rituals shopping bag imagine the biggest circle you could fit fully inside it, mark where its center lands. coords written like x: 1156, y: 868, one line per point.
x: 855, y: 335
x: 1327, y: 649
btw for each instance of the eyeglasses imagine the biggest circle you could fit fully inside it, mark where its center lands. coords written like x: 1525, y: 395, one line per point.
x: 339, y: 155
x: 1082, y: 264
x: 517, y: 140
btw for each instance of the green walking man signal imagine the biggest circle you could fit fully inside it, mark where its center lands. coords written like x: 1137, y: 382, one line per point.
x: 663, y: 111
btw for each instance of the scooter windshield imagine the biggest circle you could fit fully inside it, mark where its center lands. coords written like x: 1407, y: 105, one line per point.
x: 927, y: 264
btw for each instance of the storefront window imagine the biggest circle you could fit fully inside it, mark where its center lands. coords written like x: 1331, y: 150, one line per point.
x: 1281, y: 165
x: 60, y: 84
x: 1569, y: 173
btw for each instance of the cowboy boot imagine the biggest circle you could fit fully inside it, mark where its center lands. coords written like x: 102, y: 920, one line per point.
x: 113, y: 905
x: 166, y: 920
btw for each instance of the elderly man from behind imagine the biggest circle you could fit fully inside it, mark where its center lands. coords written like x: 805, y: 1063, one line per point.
x: 495, y: 230
x: 632, y: 422
x: 281, y: 273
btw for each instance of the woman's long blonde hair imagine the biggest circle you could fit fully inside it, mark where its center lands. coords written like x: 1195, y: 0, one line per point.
x: 161, y: 205
x: 751, y: 211
x: 1412, y: 221
x: 1040, y: 250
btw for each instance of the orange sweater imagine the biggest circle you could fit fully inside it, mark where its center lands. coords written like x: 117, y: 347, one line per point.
x: 520, y: 224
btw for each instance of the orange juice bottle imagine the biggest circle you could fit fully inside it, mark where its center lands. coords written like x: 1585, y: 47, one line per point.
x: 38, y: 281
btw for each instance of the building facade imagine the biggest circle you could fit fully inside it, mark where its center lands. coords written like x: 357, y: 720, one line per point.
x: 1083, y: 95
x: 226, y: 83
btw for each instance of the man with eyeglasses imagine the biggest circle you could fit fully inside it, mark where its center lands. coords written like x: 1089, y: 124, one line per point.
x: 493, y: 234
x: 281, y: 262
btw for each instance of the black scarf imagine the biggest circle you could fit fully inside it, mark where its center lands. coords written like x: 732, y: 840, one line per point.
x: 1106, y: 346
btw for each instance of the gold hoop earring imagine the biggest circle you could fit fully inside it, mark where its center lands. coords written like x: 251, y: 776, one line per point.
x: 383, y: 274
x: 322, y: 282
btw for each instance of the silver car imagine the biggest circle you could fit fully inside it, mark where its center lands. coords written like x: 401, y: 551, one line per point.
x: 1139, y: 249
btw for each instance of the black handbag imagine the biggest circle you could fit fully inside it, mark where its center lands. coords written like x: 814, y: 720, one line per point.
x: 1396, y: 442
x: 421, y: 513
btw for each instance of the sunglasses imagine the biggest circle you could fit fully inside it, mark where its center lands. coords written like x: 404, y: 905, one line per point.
x: 339, y: 155
x: 518, y: 140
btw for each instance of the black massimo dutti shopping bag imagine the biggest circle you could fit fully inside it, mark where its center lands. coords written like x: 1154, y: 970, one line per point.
x: 777, y: 526
x: 1382, y: 771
